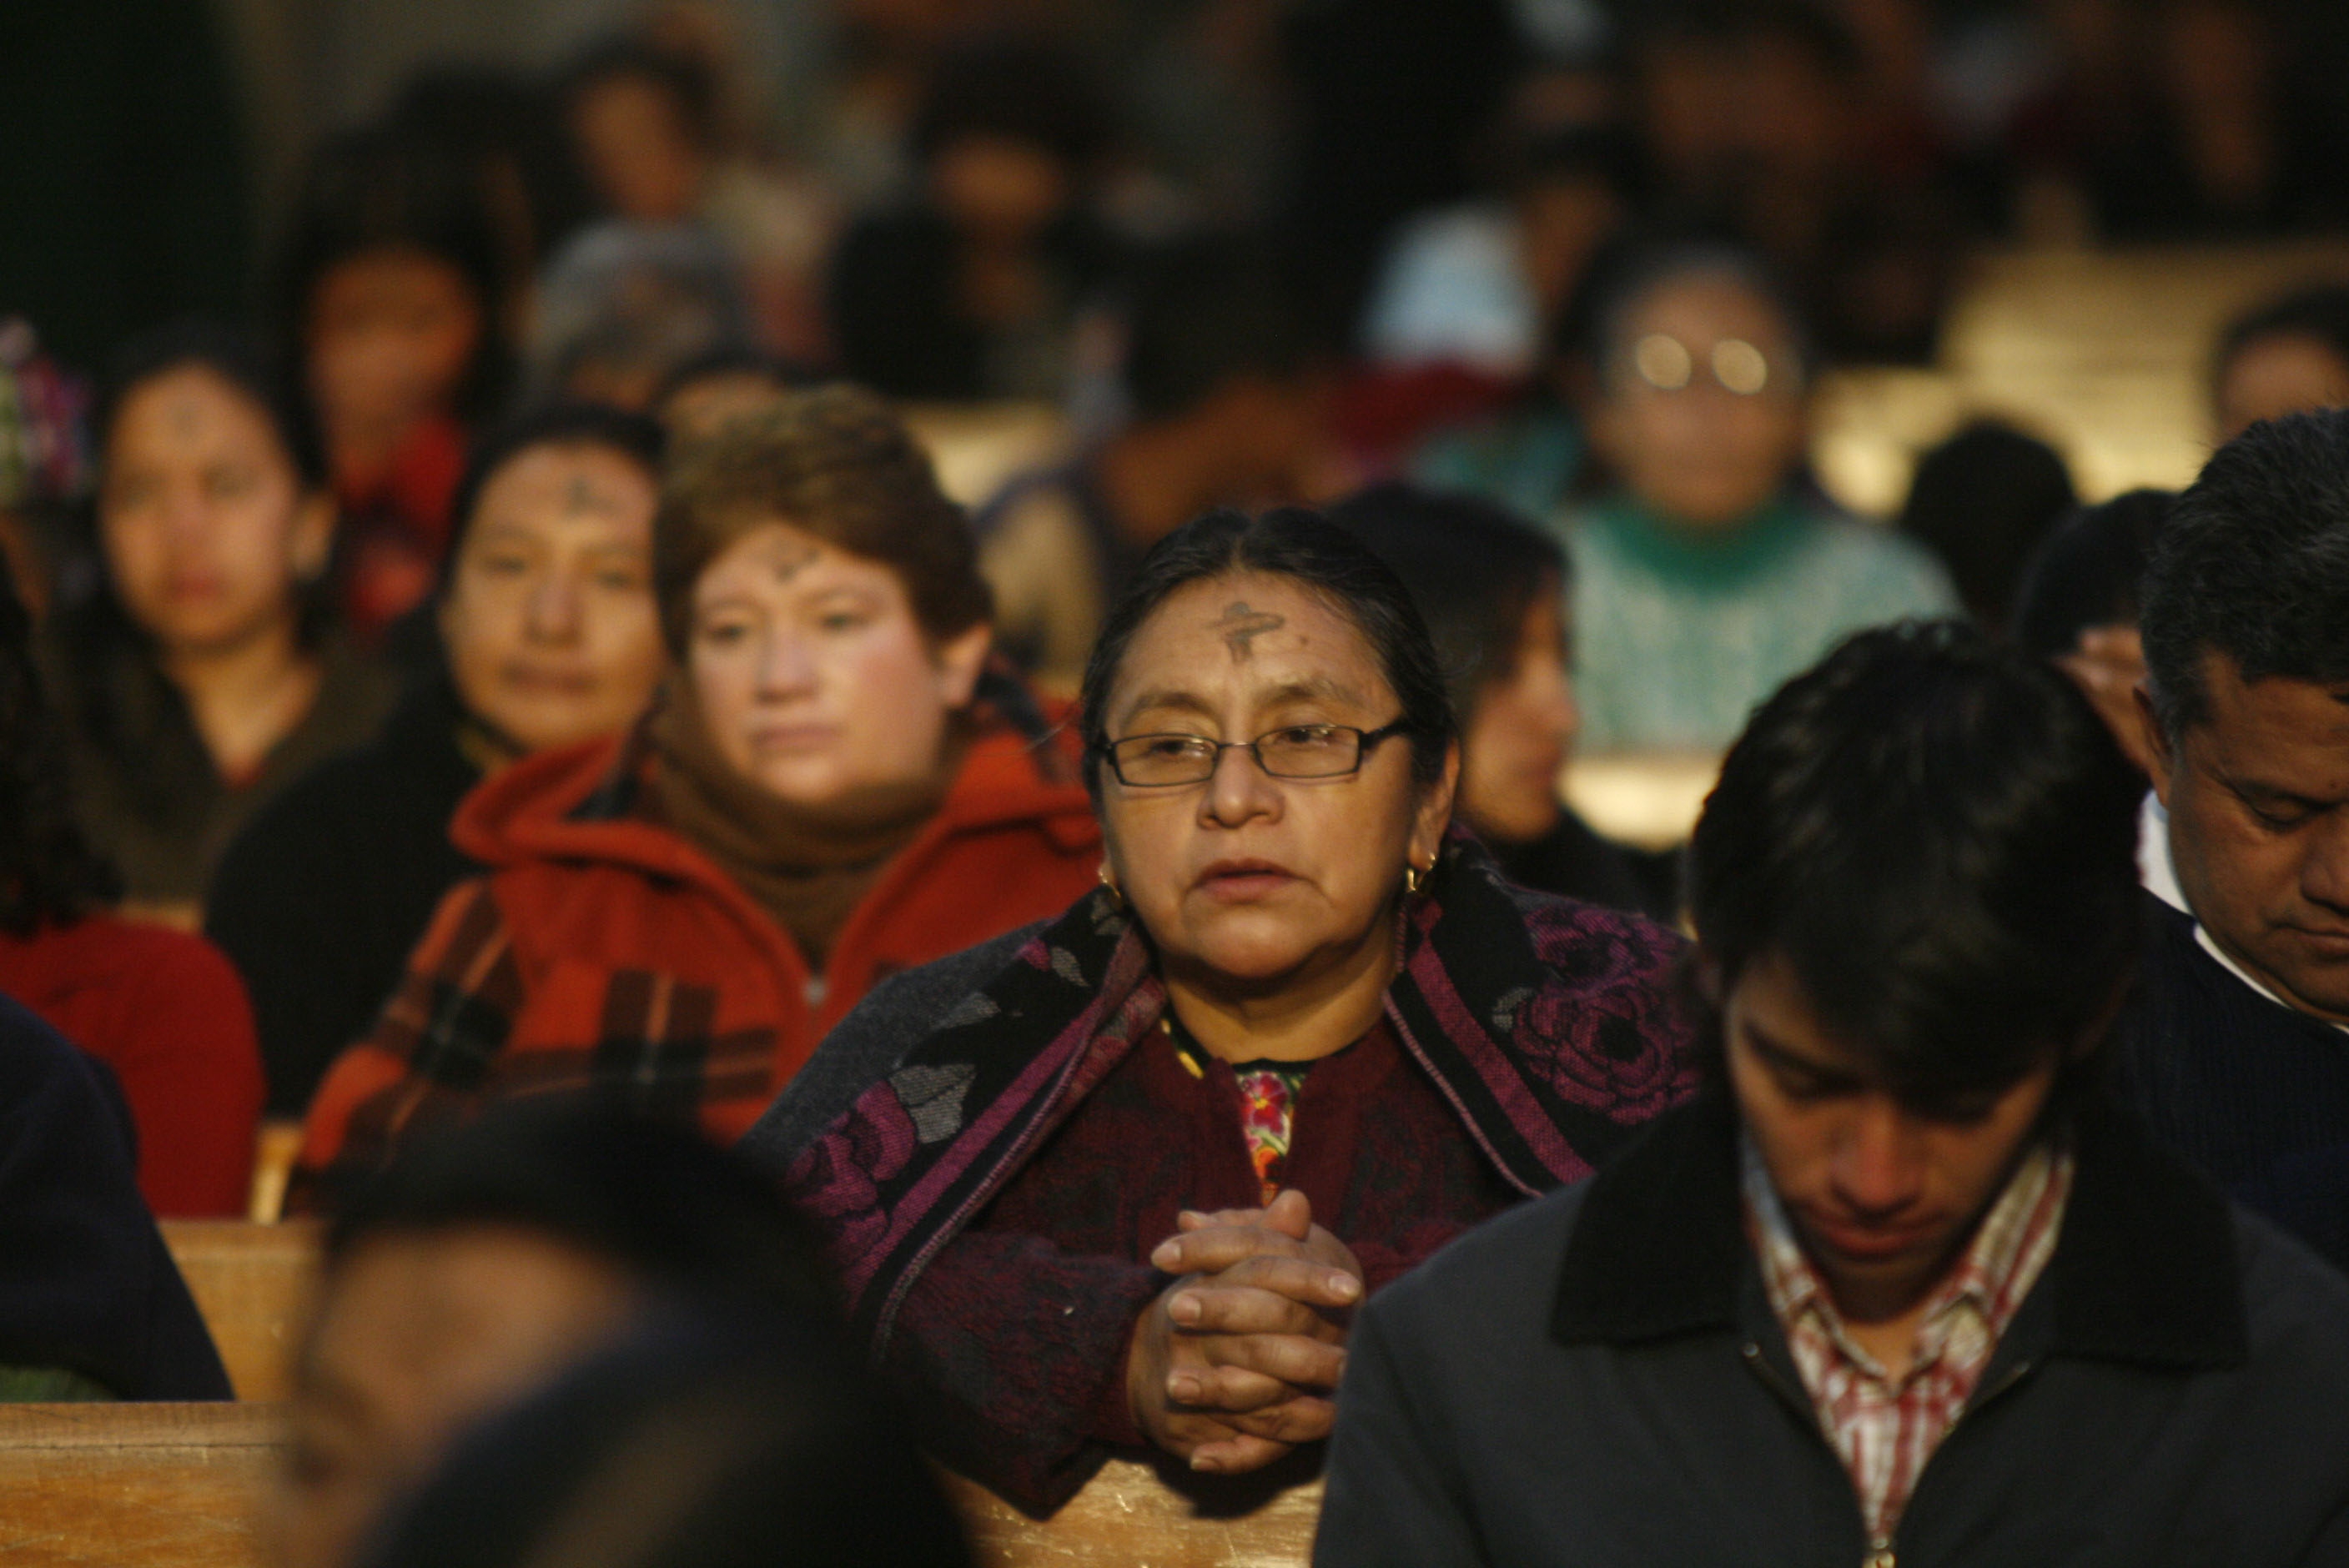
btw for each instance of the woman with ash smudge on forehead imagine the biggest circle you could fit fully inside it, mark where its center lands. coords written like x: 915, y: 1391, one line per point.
x: 1118, y: 1181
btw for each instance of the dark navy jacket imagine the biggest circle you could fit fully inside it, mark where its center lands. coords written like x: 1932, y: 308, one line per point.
x: 85, y: 1283
x: 2254, y: 1094
x: 1596, y: 1378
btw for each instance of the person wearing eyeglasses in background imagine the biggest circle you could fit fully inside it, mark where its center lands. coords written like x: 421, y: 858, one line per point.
x: 1116, y: 1181
x: 1712, y: 571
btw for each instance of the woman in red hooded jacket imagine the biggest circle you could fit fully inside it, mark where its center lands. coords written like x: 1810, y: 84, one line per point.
x: 830, y: 788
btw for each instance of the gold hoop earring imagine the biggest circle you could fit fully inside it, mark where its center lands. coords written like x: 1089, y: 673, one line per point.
x: 1108, y: 883
x: 1413, y: 878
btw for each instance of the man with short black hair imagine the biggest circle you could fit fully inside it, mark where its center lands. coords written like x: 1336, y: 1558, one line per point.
x: 2237, y: 1048
x: 1904, y: 1286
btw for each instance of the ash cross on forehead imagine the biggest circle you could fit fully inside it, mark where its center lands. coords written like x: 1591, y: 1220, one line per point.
x: 584, y: 495
x: 1241, y: 626
x: 790, y: 557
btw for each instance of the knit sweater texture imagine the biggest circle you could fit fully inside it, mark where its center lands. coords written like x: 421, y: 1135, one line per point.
x: 2249, y: 1092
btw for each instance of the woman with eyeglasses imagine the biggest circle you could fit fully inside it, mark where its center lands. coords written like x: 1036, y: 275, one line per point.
x: 1117, y: 1181
x: 1712, y: 571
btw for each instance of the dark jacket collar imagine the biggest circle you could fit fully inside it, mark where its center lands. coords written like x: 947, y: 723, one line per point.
x: 2144, y: 1271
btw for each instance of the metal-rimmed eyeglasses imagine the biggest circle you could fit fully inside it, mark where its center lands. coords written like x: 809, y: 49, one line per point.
x: 1292, y: 751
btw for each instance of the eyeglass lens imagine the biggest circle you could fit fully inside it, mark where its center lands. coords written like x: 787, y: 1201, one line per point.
x: 1307, y: 751
x: 1665, y: 362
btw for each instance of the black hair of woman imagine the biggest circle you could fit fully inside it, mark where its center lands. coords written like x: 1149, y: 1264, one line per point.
x: 1476, y: 571
x: 2089, y: 572
x: 262, y: 379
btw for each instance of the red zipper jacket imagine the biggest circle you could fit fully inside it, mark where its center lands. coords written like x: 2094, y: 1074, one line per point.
x: 600, y: 948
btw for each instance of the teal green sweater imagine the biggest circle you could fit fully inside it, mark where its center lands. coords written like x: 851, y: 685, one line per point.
x: 1679, y: 634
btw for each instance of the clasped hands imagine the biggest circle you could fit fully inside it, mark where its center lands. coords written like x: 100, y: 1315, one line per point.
x: 1236, y: 1362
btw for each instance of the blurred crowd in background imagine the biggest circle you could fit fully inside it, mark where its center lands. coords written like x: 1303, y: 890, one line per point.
x: 316, y: 316
x: 412, y: 414
x: 948, y: 200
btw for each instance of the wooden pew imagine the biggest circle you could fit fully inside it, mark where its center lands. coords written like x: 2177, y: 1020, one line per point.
x: 182, y: 1486
x: 253, y: 1284
x: 134, y: 1486
x: 274, y: 1149
x: 1129, y: 1517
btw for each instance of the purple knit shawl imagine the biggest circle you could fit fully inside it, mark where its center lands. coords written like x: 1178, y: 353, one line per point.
x: 1553, y: 1028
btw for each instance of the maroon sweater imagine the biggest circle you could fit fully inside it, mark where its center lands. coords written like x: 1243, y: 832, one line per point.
x: 1035, y: 1302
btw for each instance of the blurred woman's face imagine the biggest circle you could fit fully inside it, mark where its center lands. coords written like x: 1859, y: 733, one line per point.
x: 1701, y: 415
x: 2276, y: 374
x: 998, y: 188
x: 637, y: 150
x: 815, y: 680
x: 390, y: 334
x: 549, y: 623
x: 207, y: 530
x: 1516, y: 737
x: 1247, y: 882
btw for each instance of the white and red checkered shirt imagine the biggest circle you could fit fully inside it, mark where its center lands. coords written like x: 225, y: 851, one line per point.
x: 1885, y: 1430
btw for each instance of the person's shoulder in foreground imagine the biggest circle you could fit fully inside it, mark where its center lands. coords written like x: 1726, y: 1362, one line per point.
x: 1905, y: 1285
x: 1571, y: 1415
x: 2238, y: 1049
x: 91, y: 1305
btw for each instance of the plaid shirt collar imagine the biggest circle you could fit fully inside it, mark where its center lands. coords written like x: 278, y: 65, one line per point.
x: 2008, y: 1250
x: 1885, y: 1430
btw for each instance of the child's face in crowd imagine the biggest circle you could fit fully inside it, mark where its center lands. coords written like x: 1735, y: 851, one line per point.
x: 419, y: 1336
x: 550, y: 622
x: 815, y: 680
x: 1518, y: 735
x: 205, y: 526
x: 1701, y: 414
x: 1883, y: 1197
x: 391, y: 332
x: 2279, y: 374
x: 637, y: 150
